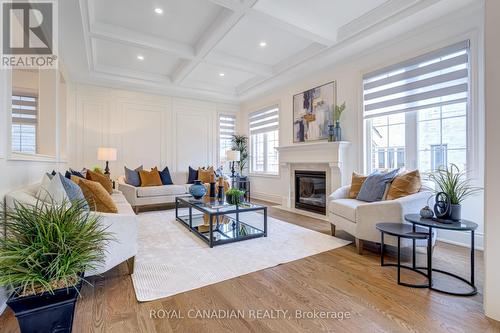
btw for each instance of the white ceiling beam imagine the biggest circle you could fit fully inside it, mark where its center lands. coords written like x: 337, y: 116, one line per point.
x: 212, y: 36
x: 129, y: 37
x: 291, y: 28
x: 243, y: 65
x: 133, y: 74
x: 234, y: 5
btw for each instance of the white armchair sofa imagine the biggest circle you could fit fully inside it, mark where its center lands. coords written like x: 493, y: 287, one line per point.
x: 359, y: 218
x: 154, y: 195
x: 122, y: 225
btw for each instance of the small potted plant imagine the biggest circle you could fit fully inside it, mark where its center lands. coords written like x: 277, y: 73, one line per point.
x: 457, y: 187
x: 43, y: 257
x: 234, y: 196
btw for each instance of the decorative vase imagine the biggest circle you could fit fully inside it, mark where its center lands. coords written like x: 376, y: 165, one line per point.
x: 331, y: 133
x: 212, y: 190
x: 426, y: 213
x: 338, y: 131
x: 456, y: 212
x: 220, y: 194
x: 197, y: 190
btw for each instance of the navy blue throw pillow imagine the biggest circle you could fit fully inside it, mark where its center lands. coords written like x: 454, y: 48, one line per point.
x: 132, y: 176
x: 72, y: 172
x: 165, y: 177
x: 193, y: 175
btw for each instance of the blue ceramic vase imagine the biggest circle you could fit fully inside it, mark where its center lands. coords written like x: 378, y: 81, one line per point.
x: 197, y: 190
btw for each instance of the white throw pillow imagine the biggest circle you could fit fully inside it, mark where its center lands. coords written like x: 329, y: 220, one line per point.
x: 52, y: 190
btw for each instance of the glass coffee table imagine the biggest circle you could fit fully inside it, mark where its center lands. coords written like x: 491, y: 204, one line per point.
x: 218, y: 222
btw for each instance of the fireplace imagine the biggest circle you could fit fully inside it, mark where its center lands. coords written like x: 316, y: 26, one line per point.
x: 310, y: 191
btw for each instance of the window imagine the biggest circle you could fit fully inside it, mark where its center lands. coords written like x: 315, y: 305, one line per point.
x: 227, y: 128
x: 24, y: 124
x: 264, y: 138
x: 416, y: 112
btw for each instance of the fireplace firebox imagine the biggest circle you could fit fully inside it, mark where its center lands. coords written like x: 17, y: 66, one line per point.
x: 310, y: 191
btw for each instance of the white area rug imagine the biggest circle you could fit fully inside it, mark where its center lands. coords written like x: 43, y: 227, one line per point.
x: 172, y: 260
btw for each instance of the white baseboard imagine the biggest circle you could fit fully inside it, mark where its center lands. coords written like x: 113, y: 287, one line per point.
x: 274, y: 198
x: 461, y: 239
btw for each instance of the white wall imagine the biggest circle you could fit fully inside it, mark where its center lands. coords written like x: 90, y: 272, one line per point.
x: 348, y: 74
x: 147, y: 129
x: 492, y: 181
x: 17, y: 171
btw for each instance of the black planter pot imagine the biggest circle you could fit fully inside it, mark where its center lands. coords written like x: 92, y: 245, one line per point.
x: 456, y: 212
x: 234, y: 200
x: 46, y: 312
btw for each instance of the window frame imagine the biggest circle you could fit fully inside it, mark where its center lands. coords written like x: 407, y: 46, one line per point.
x: 411, y: 121
x: 22, y: 94
x: 220, y: 162
x: 251, y: 155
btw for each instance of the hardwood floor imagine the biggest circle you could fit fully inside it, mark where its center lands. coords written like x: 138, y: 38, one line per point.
x: 338, y: 282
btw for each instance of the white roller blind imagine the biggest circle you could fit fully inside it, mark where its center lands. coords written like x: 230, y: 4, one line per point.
x: 434, y: 79
x: 24, y: 109
x: 265, y: 120
x: 227, y: 126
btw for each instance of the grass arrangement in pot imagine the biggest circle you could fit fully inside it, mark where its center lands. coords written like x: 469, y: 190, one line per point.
x: 43, y: 258
x: 457, y: 186
x: 234, y: 196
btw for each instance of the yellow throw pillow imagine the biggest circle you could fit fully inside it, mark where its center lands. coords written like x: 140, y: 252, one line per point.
x: 96, y: 195
x: 100, y: 178
x: 356, y: 183
x: 150, y: 178
x: 405, y: 184
x: 206, y: 175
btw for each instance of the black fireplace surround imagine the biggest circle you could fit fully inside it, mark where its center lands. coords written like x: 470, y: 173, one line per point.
x: 310, y: 191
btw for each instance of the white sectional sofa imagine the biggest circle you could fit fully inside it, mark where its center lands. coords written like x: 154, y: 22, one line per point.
x: 359, y: 218
x: 155, y: 195
x: 122, y: 225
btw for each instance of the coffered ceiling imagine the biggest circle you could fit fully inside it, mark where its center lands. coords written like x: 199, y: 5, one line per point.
x: 209, y: 48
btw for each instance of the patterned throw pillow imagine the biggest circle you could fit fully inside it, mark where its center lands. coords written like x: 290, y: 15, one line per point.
x: 405, y: 184
x: 356, y: 183
x: 150, y: 178
x: 375, y: 184
x: 132, y: 176
x: 97, y: 197
x: 102, y: 179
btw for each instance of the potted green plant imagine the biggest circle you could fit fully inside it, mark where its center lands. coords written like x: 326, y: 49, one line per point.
x: 240, y: 143
x: 234, y: 196
x: 457, y: 186
x: 43, y: 257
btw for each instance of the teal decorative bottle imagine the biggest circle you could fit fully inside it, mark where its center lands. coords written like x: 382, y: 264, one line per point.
x: 338, y: 131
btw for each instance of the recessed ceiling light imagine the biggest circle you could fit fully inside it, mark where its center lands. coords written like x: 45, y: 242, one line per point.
x: 158, y: 11
x: 140, y: 57
x: 221, y: 74
x: 262, y: 44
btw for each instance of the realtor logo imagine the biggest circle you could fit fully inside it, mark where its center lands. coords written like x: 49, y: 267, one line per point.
x: 29, y: 34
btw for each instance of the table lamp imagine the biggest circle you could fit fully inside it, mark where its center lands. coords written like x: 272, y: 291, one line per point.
x: 106, y: 154
x: 232, y: 156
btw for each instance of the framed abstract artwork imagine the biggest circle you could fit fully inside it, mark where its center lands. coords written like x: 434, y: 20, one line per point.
x: 313, y: 112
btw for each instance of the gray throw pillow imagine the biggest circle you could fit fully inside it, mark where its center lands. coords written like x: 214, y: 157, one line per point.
x: 374, y: 186
x: 73, y: 191
x: 132, y: 176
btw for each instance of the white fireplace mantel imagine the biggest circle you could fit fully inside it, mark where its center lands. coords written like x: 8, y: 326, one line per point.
x: 327, y: 156
x: 316, y: 152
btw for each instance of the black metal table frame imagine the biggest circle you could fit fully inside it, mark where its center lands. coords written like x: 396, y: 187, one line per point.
x: 210, y: 241
x: 413, y: 267
x: 430, y: 269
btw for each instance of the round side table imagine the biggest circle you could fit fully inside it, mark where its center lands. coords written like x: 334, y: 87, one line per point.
x: 462, y: 225
x: 401, y: 230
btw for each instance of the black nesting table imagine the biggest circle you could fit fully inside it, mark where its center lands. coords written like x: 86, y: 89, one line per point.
x: 422, y: 229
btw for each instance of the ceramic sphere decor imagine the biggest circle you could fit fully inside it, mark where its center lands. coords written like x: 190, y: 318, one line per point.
x: 197, y: 190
